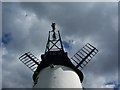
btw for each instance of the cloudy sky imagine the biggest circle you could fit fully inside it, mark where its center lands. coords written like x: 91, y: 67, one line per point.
x: 25, y: 28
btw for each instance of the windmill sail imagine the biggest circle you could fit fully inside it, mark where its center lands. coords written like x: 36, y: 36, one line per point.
x: 30, y: 61
x: 84, y: 55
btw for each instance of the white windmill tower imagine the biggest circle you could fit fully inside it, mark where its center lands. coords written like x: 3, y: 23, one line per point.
x: 56, y: 70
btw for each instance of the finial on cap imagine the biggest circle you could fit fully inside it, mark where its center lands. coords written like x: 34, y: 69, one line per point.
x: 53, y: 27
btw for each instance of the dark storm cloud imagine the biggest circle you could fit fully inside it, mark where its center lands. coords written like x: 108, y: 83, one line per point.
x: 94, y: 23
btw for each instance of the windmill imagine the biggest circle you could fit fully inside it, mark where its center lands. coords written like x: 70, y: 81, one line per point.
x: 56, y: 69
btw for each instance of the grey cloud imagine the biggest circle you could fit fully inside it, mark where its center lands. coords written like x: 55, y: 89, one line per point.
x: 75, y: 16
x: 0, y: 50
x: 77, y: 21
x: 14, y: 71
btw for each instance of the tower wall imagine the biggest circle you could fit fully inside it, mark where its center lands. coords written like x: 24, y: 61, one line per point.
x: 58, y: 77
